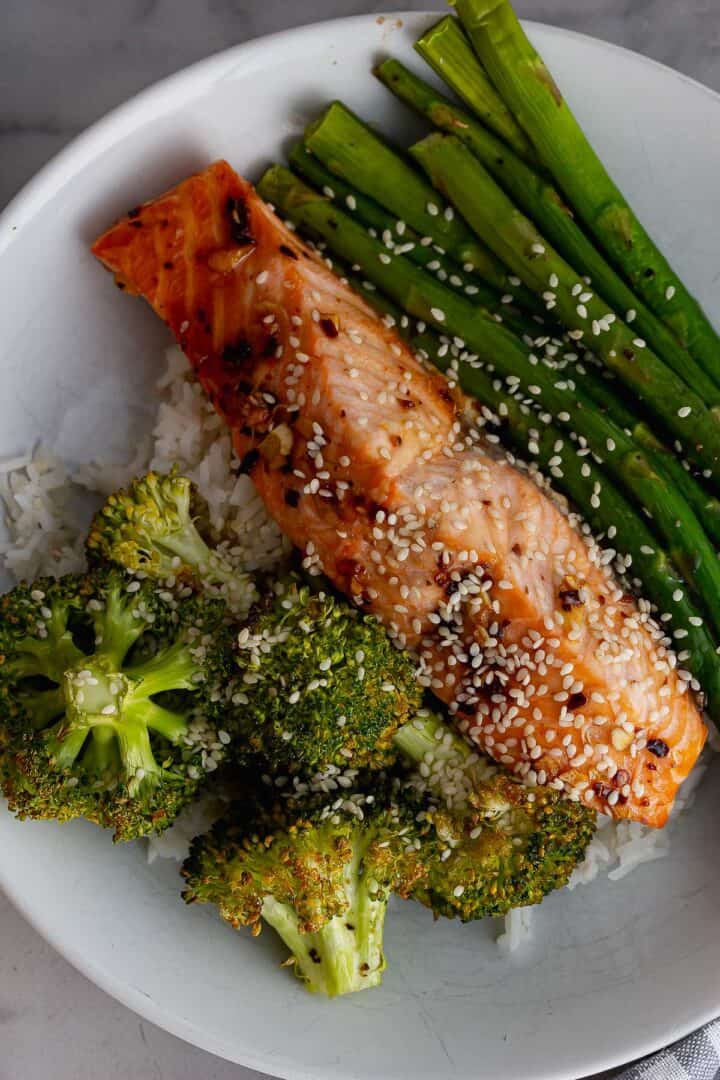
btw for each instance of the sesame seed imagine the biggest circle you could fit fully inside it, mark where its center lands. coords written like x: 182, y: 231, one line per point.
x: 262, y: 277
x: 631, y: 315
x: 384, y: 258
x: 684, y: 412
x: 432, y: 209
x: 449, y: 213
x: 582, y: 311
x: 537, y: 249
x: 438, y: 314
x: 351, y: 202
x: 670, y: 292
x: 327, y: 190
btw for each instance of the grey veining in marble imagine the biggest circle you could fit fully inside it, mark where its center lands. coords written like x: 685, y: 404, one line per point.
x: 63, y: 63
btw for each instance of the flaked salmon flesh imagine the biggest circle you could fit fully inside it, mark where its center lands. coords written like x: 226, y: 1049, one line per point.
x: 375, y: 469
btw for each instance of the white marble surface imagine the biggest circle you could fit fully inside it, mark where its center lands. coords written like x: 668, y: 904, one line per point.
x: 63, y: 63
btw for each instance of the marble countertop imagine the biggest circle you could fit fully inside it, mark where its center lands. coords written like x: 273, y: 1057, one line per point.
x: 63, y: 63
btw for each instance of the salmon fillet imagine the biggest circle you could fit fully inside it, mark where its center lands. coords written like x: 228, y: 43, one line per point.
x: 375, y: 469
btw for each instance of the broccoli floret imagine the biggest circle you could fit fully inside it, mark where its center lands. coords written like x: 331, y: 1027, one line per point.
x: 323, y: 684
x: 306, y: 708
x: 111, y: 698
x: 152, y: 528
x: 320, y: 872
x: 501, y: 844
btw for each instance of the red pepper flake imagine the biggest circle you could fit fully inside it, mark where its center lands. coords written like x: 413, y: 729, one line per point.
x: 329, y: 327
x: 292, y: 497
x: 576, y: 701
x: 239, y: 223
x: 288, y: 251
x: 658, y: 747
x: 350, y: 568
x: 237, y: 352
x: 271, y: 346
x: 249, y: 462
x: 570, y: 598
x: 601, y: 790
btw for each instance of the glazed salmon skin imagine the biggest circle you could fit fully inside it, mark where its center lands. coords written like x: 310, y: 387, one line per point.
x: 374, y: 468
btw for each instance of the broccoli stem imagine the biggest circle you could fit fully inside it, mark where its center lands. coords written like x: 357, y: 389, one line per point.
x: 101, y: 755
x: 172, y: 726
x: 139, y: 764
x: 64, y: 745
x: 44, y: 706
x: 117, y: 627
x: 50, y: 656
x: 346, y: 955
x: 192, y: 550
x: 170, y: 669
x: 428, y: 733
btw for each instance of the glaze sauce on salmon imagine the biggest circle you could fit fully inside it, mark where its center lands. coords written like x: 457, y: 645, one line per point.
x: 375, y: 469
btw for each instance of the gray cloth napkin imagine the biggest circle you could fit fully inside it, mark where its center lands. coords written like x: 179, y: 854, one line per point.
x: 696, y: 1057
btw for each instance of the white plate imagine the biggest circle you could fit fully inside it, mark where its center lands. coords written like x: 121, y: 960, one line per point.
x: 614, y: 970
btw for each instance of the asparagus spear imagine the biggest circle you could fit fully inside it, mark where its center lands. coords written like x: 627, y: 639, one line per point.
x: 528, y: 88
x: 542, y: 202
x: 705, y: 505
x: 352, y: 152
x: 600, y: 390
x: 450, y: 54
x: 407, y: 242
x: 427, y: 299
x: 459, y: 174
x: 616, y: 524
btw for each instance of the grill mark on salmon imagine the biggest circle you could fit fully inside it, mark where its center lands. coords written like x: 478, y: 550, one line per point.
x: 378, y: 473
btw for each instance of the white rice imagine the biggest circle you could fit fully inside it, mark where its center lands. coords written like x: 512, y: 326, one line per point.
x: 47, y: 514
x: 194, y: 820
x: 44, y: 522
x: 517, y: 929
x: 47, y: 509
x: 188, y: 433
